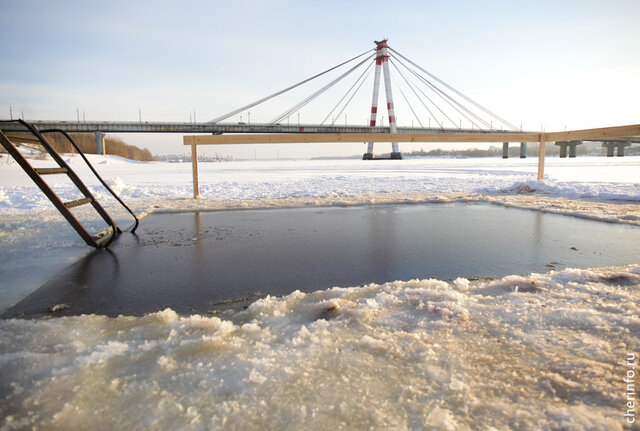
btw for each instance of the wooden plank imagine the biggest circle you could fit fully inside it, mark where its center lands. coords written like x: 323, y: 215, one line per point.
x: 51, y: 171
x: 317, y: 138
x: 601, y: 133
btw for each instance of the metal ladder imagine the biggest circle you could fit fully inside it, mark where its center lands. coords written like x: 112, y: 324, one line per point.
x: 20, y: 133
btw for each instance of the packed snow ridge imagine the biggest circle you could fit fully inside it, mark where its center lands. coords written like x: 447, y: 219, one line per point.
x: 543, y: 351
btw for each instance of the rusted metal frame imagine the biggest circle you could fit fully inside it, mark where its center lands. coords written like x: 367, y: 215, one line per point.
x: 104, y: 184
x: 77, y: 182
x: 55, y: 200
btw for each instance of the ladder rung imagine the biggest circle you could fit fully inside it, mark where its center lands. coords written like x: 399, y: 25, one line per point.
x: 77, y: 202
x: 51, y: 171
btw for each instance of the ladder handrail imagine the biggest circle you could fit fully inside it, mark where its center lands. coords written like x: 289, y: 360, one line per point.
x: 99, y: 241
x: 66, y: 135
x: 53, y: 197
x: 76, y: 180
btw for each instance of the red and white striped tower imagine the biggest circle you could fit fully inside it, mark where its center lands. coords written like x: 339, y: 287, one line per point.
x: 382, y: 62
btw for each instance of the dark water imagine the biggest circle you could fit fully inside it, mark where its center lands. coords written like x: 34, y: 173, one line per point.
x: 199, y: 261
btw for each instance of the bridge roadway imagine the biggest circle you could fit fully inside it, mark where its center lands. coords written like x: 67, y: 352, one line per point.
x: 220, y: 128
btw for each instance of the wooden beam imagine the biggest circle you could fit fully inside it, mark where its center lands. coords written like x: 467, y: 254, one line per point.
x: 194, y: 167
x: 602, y: 133
x: 541, y: 154
x: 317, y: 138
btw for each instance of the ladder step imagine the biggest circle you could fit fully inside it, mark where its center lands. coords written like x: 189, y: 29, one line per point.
x: 18, y: 138
x: 77, y: 202
x: 51, y: 171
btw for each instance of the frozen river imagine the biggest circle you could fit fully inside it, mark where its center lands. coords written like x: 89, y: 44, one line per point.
x: 540, y: 348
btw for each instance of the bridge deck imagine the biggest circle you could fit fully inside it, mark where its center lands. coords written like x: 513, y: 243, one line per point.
x: 218, y: 128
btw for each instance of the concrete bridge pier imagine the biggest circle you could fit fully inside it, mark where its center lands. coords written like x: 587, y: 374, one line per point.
x: 563, y: 149
x: 572, y: 148
x: 100, y: 145
x: 568, y: 144
x: 523, y: 150
x: 611, y: 146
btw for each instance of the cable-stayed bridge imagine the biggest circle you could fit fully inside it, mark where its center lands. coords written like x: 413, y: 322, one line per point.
x: 438, y: 112
x: 430, y: 102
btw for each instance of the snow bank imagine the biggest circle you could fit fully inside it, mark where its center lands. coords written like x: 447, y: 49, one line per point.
x: 545, y: 351
x: 152, y: 185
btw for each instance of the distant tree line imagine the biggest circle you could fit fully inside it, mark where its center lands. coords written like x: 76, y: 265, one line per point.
x: 514, y: 151
x: 87, y: 144
x: 472, y: 152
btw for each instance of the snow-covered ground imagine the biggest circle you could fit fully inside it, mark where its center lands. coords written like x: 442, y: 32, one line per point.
x: 543, y: 351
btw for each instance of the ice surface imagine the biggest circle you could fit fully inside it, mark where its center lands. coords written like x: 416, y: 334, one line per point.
x: 544, y: 351
x: 36, y: 242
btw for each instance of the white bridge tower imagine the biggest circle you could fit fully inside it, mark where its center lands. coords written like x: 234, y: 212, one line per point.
x: 382, y: 62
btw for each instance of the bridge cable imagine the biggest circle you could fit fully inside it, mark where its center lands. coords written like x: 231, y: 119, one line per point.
x: 502, y: 120
x: 416, y: 94
x: 347, y: 93
x: 301, y: 104
x: 408, y: 103
x: 251, y: 105
x: 440, y: 93
x: 361, y: 80
x: 434, y: 104
x: 354, y: 93
x: 313, y: 96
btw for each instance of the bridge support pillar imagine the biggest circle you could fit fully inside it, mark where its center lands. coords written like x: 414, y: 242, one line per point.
x: 568, y: 144
x: 572, y: 148
x: 100, y: 144
x: 523, y: 150
x: 505, y: 150
x: 621, y: 148
x: 563, y: 149
x: 610, y: 148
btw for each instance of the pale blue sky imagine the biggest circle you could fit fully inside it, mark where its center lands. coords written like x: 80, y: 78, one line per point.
x: 549, y: 63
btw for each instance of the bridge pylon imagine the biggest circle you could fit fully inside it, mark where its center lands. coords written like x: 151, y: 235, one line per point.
x: 382, y: 63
